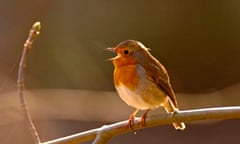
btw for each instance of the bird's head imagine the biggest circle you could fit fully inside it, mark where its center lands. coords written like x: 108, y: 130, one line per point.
x: 128, y: 52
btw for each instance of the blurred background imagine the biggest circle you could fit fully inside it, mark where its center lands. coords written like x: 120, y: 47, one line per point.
x: 68, y: 81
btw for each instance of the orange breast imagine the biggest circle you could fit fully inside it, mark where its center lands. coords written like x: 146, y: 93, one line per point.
x: 126, y: 75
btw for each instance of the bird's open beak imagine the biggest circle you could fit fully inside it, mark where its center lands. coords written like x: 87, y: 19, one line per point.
x: 112, y: 50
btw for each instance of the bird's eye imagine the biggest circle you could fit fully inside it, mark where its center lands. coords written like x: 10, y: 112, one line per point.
x: 125, y: 51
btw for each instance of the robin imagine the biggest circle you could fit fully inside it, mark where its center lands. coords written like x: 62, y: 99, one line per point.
x: 142, y: 81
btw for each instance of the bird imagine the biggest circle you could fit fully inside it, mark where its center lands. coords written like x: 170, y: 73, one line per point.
x: 141, y: 81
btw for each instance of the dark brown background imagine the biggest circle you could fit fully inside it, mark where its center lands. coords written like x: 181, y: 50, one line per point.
x: 197, y: 41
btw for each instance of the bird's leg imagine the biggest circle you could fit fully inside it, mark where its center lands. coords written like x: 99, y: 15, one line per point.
x: 132, y: 119
x: 142, y: 121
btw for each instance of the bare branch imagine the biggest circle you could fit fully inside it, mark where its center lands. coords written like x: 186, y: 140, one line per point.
x: 34, y: 32
x: 109, y: 131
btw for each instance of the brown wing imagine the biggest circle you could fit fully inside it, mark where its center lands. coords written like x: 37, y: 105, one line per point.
x: 158, y: 74
x: 167, y: 88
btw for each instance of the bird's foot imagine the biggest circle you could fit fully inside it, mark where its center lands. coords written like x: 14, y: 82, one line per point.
x: 131, y: 121
x: 142, y: 121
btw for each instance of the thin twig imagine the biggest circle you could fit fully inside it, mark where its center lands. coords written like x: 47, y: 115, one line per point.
x: 34, y: 32
x: 119, y: 128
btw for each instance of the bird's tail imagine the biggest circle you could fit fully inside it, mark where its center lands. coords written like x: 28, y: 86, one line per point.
x: 169, y: 107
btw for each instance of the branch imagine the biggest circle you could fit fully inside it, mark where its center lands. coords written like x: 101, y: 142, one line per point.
x: 34, y: 32
x: 106, y: 132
